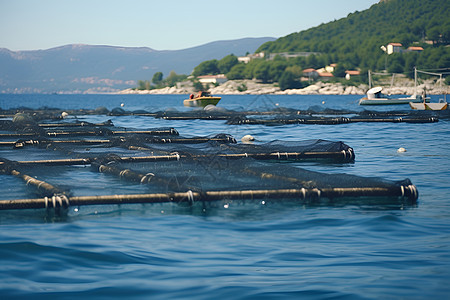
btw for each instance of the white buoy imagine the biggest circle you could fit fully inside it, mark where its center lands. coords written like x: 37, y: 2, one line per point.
x: 122, y: 104
x: 323, y: 102
x: 247, y: 139
x: 64, y: 114
x: 401, y: 150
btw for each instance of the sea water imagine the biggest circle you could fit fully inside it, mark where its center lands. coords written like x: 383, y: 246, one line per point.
x: 248, y: 252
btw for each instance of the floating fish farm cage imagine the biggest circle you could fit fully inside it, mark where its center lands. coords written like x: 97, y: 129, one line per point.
x: 55, y: 163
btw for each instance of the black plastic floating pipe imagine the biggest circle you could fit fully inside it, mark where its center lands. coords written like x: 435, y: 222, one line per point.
x: 344, y: 156
x: 326, y: 121
x: 119, y: 140
x: 403, y: 194
x: 127, y: 174
x: 55, y: 162
x: 87, y: 133
x: 42, y: 187
x: 81, y: 124
x: 88, y: 161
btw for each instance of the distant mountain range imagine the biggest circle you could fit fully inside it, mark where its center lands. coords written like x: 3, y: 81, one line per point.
x: 97, y: 69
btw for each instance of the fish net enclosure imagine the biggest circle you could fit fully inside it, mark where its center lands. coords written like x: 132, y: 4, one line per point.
x: 313, y: 116
x: 55, y: 163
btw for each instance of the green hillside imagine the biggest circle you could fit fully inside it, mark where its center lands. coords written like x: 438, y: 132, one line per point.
x: 355, y: 40
x: 352, y: 43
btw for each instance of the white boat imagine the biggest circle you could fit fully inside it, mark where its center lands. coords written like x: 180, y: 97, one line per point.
x: 376, y: 97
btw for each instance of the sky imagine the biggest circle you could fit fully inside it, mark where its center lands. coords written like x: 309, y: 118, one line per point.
x: 161, y: 25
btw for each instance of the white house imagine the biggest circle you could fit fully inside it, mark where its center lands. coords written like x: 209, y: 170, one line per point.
x: 394, y: 48
x: 244, y: 59
x: 214, y: 79
x: 249, y: 57
x: 330, y: 68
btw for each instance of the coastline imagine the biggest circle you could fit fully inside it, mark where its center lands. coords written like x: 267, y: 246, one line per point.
x: 251, y: 87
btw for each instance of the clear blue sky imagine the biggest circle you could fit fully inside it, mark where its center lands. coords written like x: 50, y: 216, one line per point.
x: 161, y: 25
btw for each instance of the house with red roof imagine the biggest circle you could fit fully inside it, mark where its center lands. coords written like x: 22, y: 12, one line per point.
x: 310, y: 74
x: 350, y: 73
x: 394, y: 48
x: 415, y: 49
x: 325, y: 75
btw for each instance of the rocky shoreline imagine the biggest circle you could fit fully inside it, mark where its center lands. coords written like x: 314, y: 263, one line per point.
x: 251, y: 87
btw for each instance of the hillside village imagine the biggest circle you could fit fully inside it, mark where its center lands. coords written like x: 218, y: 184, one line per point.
x: 319, y: 81
x: 393, y: 37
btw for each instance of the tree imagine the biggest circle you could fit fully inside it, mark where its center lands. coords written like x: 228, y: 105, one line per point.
x: 312, y: 62
x: 209, y: 67
x: 249, y: 71
x: 276, y: 69
x: 395, y: 67
x: 173, y: 78
x: 143, y: 85
x: 289, y: 81
x: 157, y: 78
x: 434, y: 35
x: 295, y: 69
x: 407, y: 39
x: 339, y: 71
x: 262, y: 72
x: 446, y: 33
x: 227, y: 63
x: 410, y: 63
x: 237, y: 72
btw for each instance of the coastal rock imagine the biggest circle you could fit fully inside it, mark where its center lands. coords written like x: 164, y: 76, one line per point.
x: 253, y: 87
x: 244, y: 87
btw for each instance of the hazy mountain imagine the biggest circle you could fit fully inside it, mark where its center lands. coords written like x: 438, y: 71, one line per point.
x: 87, y: 68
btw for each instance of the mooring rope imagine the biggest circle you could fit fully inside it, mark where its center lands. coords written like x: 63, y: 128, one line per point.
x: 57, y: 201
x: 190, y: 197
x: 147, y: 177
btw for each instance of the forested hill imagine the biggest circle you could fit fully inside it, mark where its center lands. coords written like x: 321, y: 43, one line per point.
x: 355, y: 40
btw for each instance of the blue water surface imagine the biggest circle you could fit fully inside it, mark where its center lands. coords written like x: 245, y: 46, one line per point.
x: 244, y: 252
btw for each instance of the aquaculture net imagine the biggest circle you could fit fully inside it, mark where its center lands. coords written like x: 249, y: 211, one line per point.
x: 44, y: 156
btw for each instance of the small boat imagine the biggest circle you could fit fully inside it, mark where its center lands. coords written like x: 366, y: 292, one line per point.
x: 202, y: 99
x: 375, y: 97
x: 441, y: 105
x: 429, y: 106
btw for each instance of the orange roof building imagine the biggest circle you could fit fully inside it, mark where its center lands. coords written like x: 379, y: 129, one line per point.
x: 350, y: 73
x: 353, y: 72
x: 394, y: 47
x: 415, y: 48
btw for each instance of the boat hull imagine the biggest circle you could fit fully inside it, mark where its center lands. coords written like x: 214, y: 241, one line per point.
x: 429, y: 106
x: 390, y: 101
x: 201, y: 101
